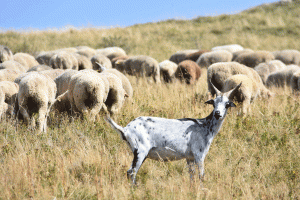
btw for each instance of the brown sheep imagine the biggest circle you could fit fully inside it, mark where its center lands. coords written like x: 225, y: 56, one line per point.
x: 194, y: 56
x: 254, y: 58
x: 180, y: 55
x: 188, y: 71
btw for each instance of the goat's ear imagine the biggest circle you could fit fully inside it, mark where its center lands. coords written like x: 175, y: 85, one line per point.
x: 210, y: 102
x: 230, y: 104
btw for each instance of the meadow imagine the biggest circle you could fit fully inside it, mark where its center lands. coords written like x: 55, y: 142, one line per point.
x: 253, y: 157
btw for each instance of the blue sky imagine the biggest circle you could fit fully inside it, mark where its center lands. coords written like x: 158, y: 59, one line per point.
x: 45, y: 14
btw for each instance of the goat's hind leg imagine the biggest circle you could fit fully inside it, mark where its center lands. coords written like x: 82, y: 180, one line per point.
x: 138, y: 159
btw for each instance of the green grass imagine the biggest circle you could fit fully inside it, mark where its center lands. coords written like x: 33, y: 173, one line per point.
x: 253, y: 157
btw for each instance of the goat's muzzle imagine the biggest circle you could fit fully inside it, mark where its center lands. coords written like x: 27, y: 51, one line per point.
x: 218, y: 115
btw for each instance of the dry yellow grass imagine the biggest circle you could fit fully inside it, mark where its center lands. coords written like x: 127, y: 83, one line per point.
x: 253, y: 157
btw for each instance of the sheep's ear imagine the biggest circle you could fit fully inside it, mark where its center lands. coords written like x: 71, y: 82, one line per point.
x: 211, y: 101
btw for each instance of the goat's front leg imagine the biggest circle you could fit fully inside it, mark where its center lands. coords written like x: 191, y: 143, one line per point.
x: 138, y: 159
x: 191, y: 165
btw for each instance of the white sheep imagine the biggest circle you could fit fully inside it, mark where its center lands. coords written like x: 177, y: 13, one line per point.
x: 63, y: 60
x: 218, y: 73
x: 209, y: 58
x: 52, y: 73
x: 83, y: 62
x: 39, y: 68
x: 111, y: 52
x: 27, y: 60
x: 174, y: 139
x: 283, y: 77
x: 180, y: 56
x: 8, y: 74
x: 9, y: 91
x: 266, y: 68
x: 86, y: 93
x: 44, y: 57
x: 36, y: 95
x: 101, y: 59
x: 252, y: 59
x: 247, y: 93
x: 167, y: 70
x: 86, y: 51
x: 231, y: 48
x: 288, y: 56
x: 140, y: 66
x: 13, y: 65
x: 5, y: 54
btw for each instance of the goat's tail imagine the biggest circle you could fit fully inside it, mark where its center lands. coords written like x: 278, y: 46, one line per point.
x: 115, y: 126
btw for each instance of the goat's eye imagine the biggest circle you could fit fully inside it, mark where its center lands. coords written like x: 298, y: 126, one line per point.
x: 227, y: 105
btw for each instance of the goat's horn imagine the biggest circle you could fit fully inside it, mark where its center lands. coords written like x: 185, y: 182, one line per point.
x: 231, y: 93
x: 216, y: 89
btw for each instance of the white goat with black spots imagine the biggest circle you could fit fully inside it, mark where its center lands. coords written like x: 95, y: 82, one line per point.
x: 175, y: 139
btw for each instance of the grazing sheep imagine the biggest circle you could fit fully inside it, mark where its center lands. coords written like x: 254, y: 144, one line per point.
x: 254, y: 58
x: 86, y: 51
x: 101, y: 59
x: 13, y: 65
x: 188, y: 71
x: 116, y: 94
x: 237, y: 53
x: 26, y: 60
x: 283, y: 77
x: 194, y: 56
x: 8, y: 75
x: 125, y: 82
x: 114, y: 60
x: 86, y: 93
x: 295, y: 81
x: 209, y: 58
x: 288, y: 56
x: 112, y: 52
x: 83, y: 62
x: 5, y: 54
x: 8, y: 95
x: 63, y: 60
x: 218, y: 73
x: 36, y: 95
x: 247, y: 93
x: 231, y: 48
x: 44, y: 57
x: 264, y: 69
x: 179, y: 56
x: 62, y: 83
x: 4, y: 108
x: 174, y: 139
x: 39, y: 68
x: 140, y: 66
x: 167, y: 70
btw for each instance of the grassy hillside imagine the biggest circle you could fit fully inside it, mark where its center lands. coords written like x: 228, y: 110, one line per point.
x: 253, y: 157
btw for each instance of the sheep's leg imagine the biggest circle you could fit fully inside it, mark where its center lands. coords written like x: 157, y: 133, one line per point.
x: 246, y: 106
x: 42, y: 118
x: 138, y: 159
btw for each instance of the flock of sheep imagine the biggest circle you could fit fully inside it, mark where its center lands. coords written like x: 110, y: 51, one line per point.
x: 86, y: 80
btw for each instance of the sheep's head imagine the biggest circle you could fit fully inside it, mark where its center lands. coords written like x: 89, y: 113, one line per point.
x: 222, y: 102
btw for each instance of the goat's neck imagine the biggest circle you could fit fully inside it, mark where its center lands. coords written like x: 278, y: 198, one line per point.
x: 214, y: 125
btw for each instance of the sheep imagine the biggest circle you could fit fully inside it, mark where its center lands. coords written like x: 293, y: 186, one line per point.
x: 180, y: 55
x: 13, y: 65
x: 36, y: 94
x: 5, y: 54
x: 26, y: 60
x: 125, y: 82
x: 167, y: 70
x: 282, y: 77
x: 218, y: 73
x: 62, y: 84
x: 254, y: 58
x: 86, y: 93
x: 86, y: 51
x: 44, y: 57
x: 52, y: 73
x: 140, y: 66
x: 114, y: 60
x: 8, y: 74
x: 206, y: 59
x: 83, y: 62
x: 188, y: 71
x: 247, y: 93
x: 288, y: 56
x: 111, y: 52
x: 295, y: 83
x: 264, y: 69
x: 116, y: 94
x: 63, y: 60
x: 102, y: 59
x: 9, y: 91
x: 237, y: 53
x: 194, y: 56
x: 231, y: 48
x: 39, y: 68
x: 174, y: 139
